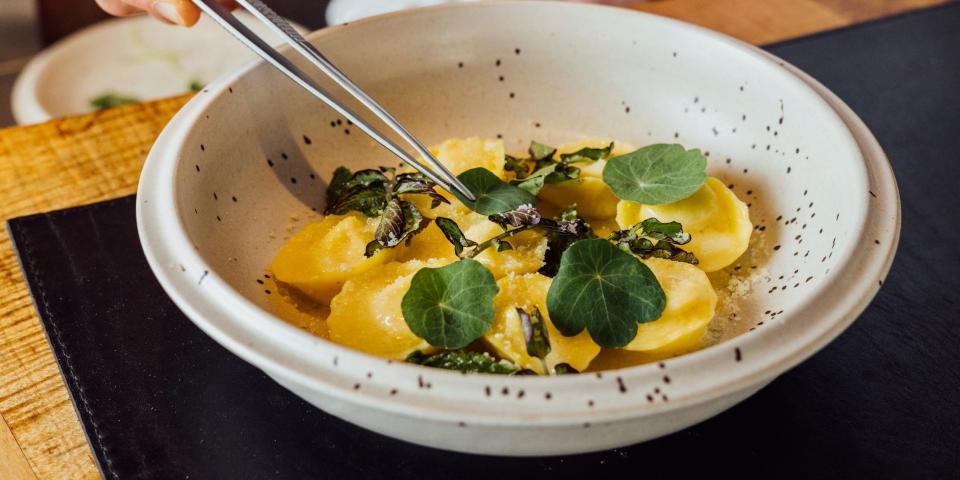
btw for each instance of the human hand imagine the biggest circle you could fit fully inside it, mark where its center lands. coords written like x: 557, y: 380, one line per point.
x: 177, y: 12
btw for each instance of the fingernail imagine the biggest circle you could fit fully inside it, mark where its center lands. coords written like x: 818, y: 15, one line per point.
x: 168, y: 11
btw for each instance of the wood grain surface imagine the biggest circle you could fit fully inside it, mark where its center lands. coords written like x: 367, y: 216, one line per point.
x: 84, y: 159
x: 45, y: 167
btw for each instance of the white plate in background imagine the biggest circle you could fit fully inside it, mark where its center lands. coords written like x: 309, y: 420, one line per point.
x: 343, y: 11
x: 136, y: 57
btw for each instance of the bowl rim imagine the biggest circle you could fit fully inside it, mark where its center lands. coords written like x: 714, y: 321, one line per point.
x: 164, y: 238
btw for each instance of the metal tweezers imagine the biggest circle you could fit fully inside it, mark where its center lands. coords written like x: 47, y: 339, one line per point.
x: 441, y: 176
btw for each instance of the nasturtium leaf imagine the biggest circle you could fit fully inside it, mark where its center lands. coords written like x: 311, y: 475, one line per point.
x: 454, y: 235
x: 464, y: 361
x: 450, y: 306
x: 586, y: 154
x: 656, y: 174
x: 493, y: 195
x: 605, y: 290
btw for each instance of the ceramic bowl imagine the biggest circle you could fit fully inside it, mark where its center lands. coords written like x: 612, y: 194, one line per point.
x: 246, y: 163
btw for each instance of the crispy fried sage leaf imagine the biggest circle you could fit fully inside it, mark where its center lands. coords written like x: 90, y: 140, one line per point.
x: 638, y: 240
x: 493, y: 195
x: 519, y: 166
x: 656, y: 174
x: 541, y: 168
x: 450, y: 306
x: 454, y: 235
x: 605, y: 290
x: 672, y: 231
x: 550, y: 173
x: 464, y: 361
x: 533, y: 183
x: 399, y: 221
x: 586, y: 154
x: 540, y: 152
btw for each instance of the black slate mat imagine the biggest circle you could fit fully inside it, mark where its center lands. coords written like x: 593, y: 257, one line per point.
x: 159, y: 399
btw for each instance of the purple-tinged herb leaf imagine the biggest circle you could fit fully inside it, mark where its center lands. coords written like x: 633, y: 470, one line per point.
x: 524, y: 215
x: 399, y: 222
x: 535, y: 333
x: 416, y: 183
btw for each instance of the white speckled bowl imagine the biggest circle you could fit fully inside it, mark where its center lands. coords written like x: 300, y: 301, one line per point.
x: 223, y: 180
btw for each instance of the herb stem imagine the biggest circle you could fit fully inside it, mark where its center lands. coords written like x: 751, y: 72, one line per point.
x: 492, y: 241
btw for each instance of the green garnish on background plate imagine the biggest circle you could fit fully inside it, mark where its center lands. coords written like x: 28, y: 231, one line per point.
x: 111, y: 100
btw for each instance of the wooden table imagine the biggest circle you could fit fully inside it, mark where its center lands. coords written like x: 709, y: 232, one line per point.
x: 94, y: 157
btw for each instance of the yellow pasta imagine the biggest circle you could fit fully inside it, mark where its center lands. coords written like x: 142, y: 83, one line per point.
x: 715, y: 218
x: 318, y: 260
x: 326, y: 263
x: 366, y: 315
x: 506, y: 335
x: 594, y: 198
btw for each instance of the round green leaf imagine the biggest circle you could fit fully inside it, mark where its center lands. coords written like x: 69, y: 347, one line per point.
x: 493, y: 195
x: 656, y: 174
x: 605, y: 290
x: 450, y: 306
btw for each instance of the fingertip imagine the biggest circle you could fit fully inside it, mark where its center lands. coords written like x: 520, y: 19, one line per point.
x: 118, y: 8
x: 190, y: 15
